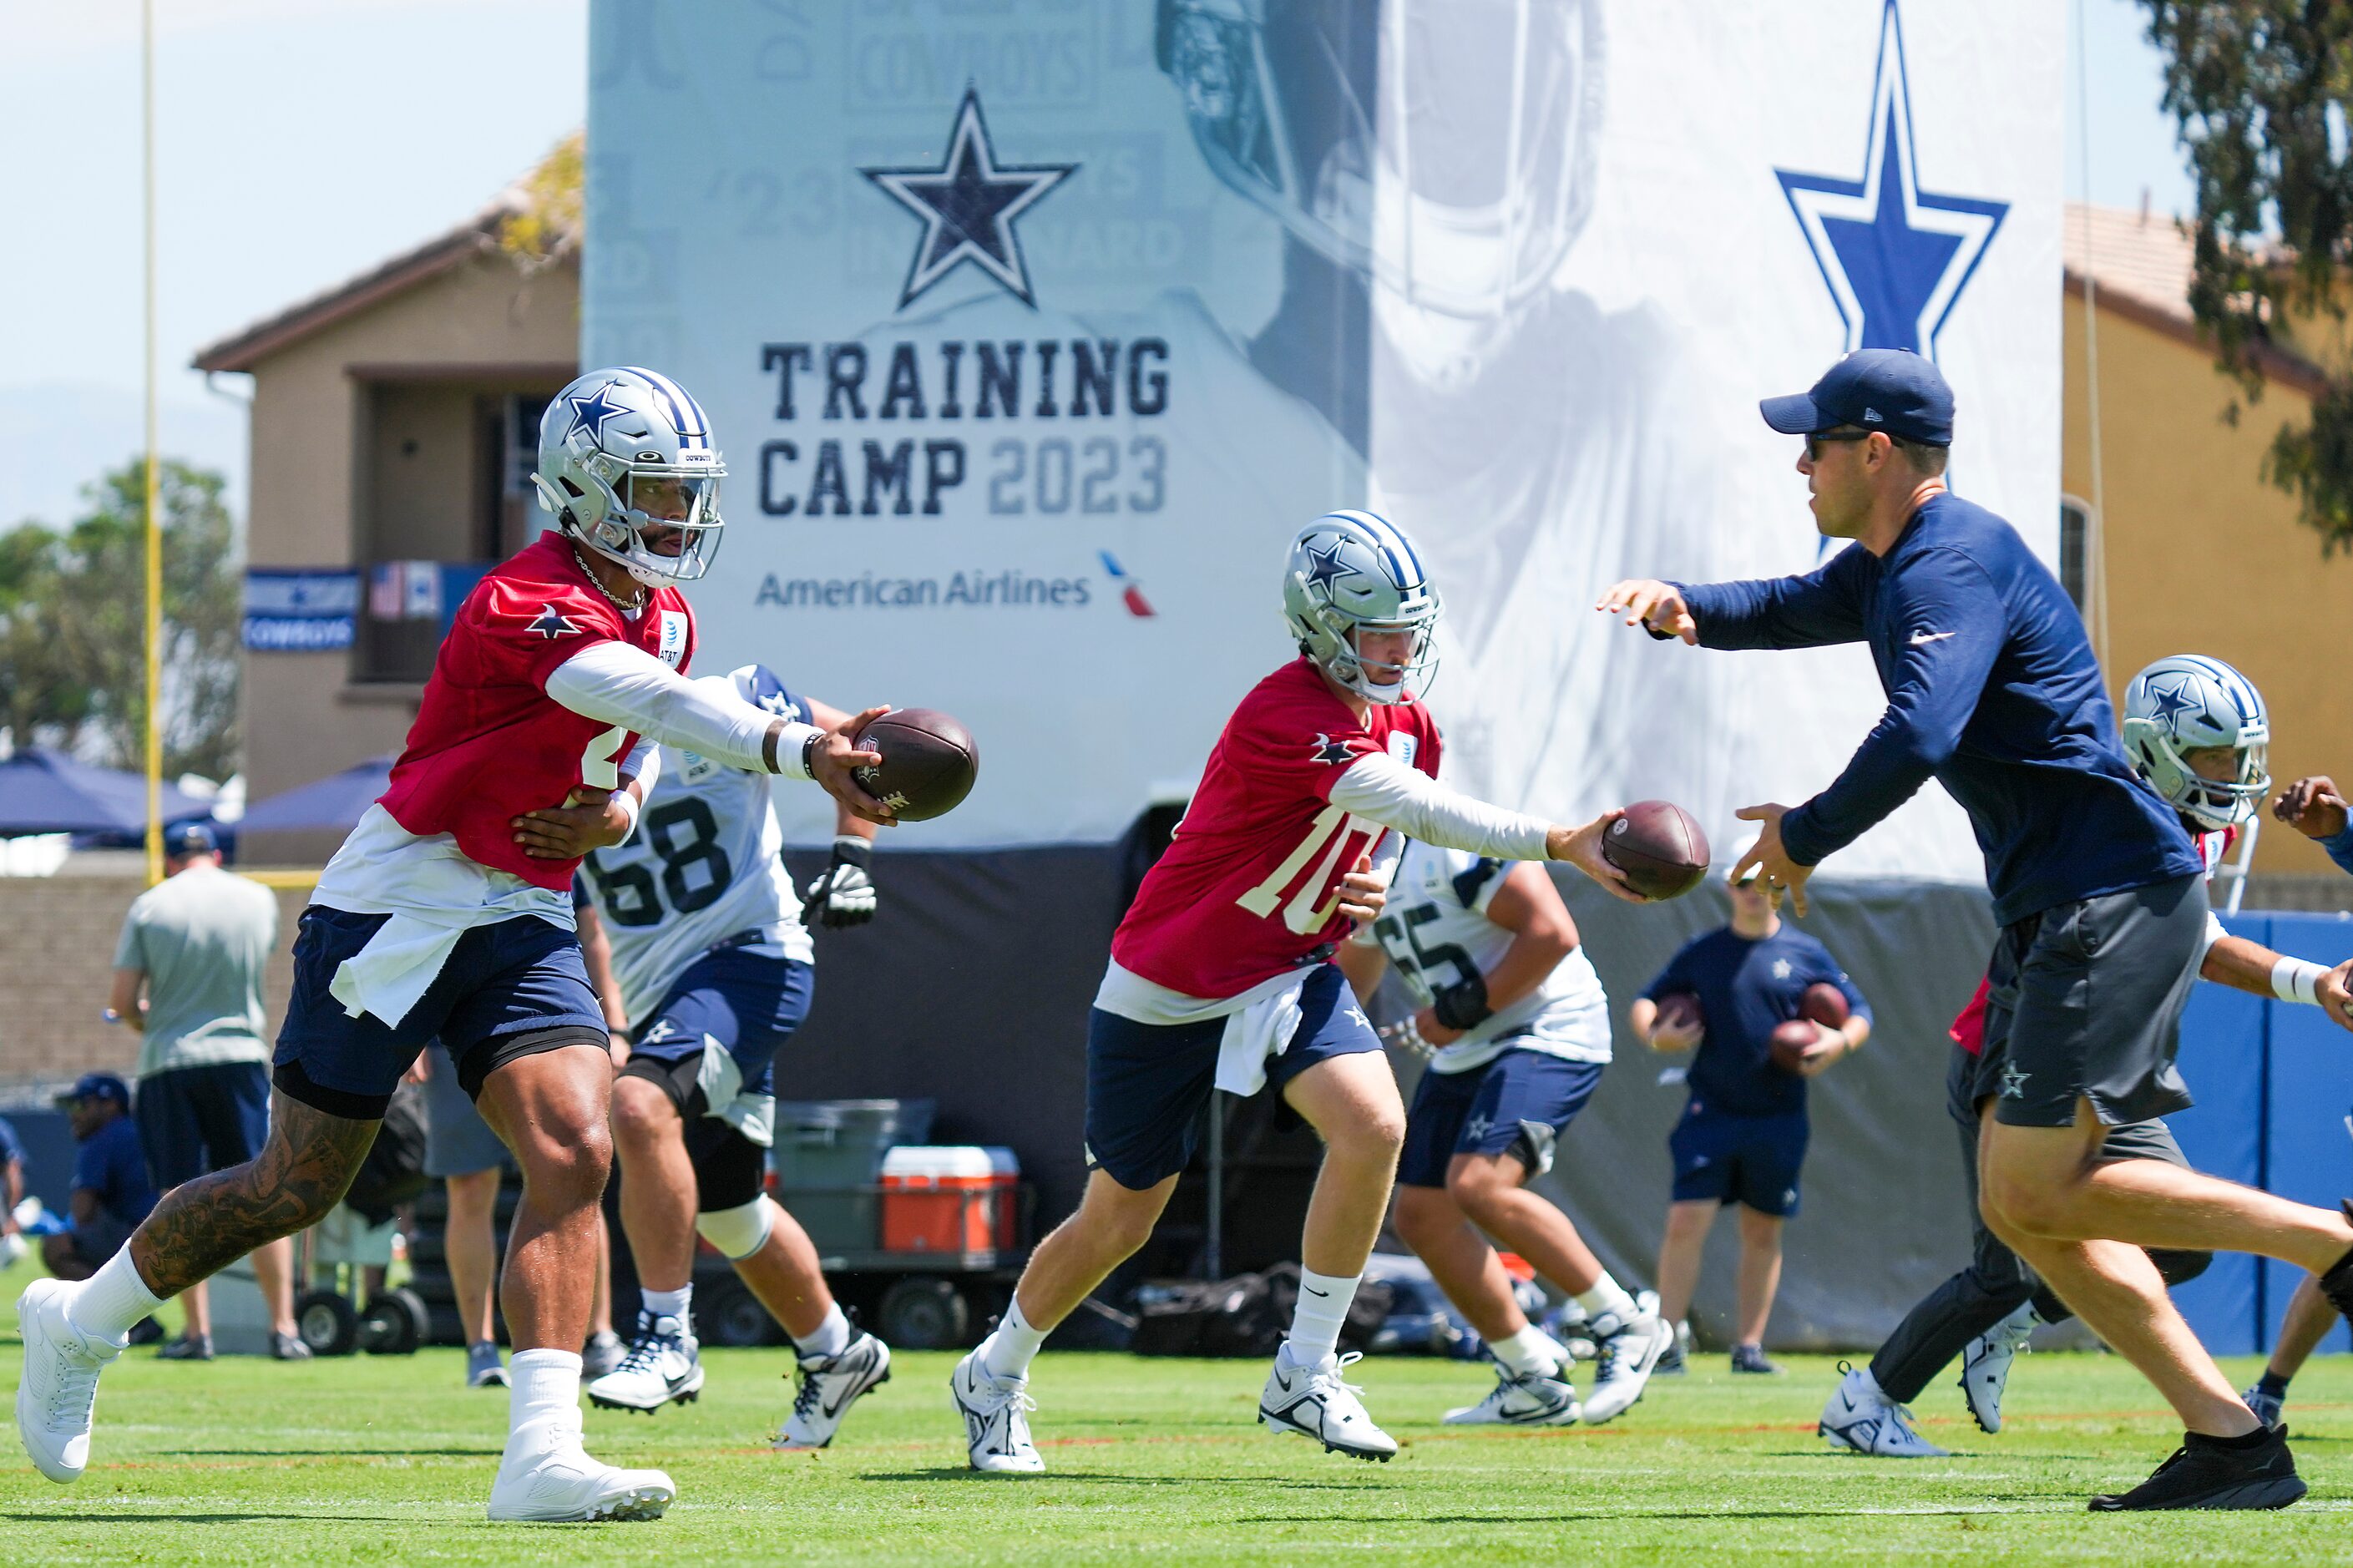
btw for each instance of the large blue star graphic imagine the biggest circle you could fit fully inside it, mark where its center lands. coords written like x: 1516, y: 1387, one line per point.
x: 1895, y: 257
x: 590, y: 409
x: 968, y: 205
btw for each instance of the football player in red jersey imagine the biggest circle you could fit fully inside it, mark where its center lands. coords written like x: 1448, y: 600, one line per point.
x: 446, y: 913
x: 1219, y: 976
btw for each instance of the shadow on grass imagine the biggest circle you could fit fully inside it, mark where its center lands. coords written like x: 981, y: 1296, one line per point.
x: 328, y: 1453
x: 1721, y: 1515
x: 98, y: 1514
x: 958, y: 1473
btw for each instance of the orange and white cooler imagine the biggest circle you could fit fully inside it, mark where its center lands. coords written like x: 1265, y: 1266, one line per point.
x: 948, y: 1197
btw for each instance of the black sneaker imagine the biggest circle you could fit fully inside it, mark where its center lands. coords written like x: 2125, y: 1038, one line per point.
x: 2209, y: 1472
x: 146, y: 1331
x: 1751, y: 1359
x: 197, y: 1347
x: 288, y: 1347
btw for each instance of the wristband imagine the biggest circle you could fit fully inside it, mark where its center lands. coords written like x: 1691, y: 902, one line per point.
x: 788, y: 749
x: 1464, y: 1005
x: 629, y: 808
x: 2294, y: 979
x: 849, y: 847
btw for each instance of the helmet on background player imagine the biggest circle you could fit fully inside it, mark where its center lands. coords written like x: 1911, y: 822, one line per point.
x: 2188, y: 702
x: 1350, y: 571
x: 625, y: 450
x: 758, y: 685
x: 1446, y: 151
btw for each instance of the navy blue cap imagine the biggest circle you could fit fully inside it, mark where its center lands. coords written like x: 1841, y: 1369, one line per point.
x: 98, y: 1086
x: 1893, y: 390
x: 190, y: 839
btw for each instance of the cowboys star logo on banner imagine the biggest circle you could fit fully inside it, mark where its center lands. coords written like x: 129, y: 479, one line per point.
x: 968, y: 205
x: 1895, y: 257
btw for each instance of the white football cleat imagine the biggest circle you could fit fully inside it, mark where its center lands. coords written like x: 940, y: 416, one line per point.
x: 1522, y: 1399
x: 58, y: 1390
x: 1629, y: 1353
x: 828, y: 1386
x: 553, y: 1481
x: 995, y: 1420
x: 1985, y: 1366
x: 1314, y: 1401
x: 664, y: 1364
x: 1858, y: 1417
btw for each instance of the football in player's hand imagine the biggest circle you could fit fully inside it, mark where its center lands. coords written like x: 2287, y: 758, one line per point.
x: 929, y: 762
x: 1660, y: 849
x: 1678, y: 1012
x: 1793, y: 1042
x: 1825, y: 1004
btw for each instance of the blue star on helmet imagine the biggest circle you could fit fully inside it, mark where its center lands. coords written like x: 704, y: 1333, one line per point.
x: 592, y: 408
x: 2173, y: 702
x: 551, y: 623
x: 1325, y: 564
x: 1894, y: 256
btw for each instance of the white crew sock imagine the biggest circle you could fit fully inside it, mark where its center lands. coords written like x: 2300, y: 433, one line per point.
x: 1866, y: 1388
x: 111, y: 1301
x: 1008, y: 1352
x: 544, y: 1398
x: 1529, y: 1351
x: 675, y: 1303
x: 1606, y: 1295
x: 1322, y: 1312
x: 830, y: 1337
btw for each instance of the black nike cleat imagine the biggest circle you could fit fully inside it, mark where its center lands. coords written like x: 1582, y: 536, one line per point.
x: 2211, y: 1472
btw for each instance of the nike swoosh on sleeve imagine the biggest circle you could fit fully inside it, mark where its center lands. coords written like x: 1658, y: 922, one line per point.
x: 1919, y: 637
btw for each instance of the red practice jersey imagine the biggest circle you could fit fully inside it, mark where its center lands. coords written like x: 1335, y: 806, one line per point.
x: 1249, y: 885
x: 488, y: 744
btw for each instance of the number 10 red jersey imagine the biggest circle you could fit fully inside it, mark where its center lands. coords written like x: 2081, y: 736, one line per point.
x: 1249, y: 885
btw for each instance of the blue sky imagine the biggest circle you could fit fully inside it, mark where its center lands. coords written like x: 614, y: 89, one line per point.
x: 301, y: 143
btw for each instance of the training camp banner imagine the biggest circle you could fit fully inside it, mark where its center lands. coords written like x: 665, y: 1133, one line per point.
x: 1032, y: 331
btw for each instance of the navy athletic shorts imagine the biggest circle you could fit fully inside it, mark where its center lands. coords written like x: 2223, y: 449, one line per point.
x: 506, y: 991
x: 1146, y: 1083
x: 749, y: 1003
x: 1520, y: 1103
x: 194, y: 1120
x: 1747, y: 1160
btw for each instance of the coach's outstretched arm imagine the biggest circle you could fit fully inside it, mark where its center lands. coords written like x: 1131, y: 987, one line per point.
x: 1822, y: 607
x: 617, y: 684
x: 1379, y: 788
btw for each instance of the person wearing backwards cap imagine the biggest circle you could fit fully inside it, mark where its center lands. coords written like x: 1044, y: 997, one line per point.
x: 111, y: 1192
x: 196, y: 944
x: 1992, y: 690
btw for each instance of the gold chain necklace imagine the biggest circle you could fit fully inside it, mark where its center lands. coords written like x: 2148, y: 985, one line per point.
x: 630, y: 605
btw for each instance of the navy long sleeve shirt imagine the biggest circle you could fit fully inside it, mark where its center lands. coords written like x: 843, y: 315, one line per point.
x: 1991, y: 689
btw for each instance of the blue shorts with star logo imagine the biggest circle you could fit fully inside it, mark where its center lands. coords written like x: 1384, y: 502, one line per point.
x: 1520, y: 1103
x: 1752, y: 1161
x: 746, y: 1002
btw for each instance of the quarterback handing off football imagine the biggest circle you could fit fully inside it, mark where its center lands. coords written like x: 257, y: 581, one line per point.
x: 929, y: 762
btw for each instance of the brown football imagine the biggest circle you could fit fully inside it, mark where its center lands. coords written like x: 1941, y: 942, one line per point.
x: 1825, y: 1004
x: 1791, y: 1043
x: 1660, y: 849
x: 1679, y: 1010
x: 929, y: 762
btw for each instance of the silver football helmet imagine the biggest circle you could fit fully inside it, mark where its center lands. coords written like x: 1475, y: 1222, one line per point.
x: 627, y: 465
x: 2187, y: 703
x: 1352, y: 569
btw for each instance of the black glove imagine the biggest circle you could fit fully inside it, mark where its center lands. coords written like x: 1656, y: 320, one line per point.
x: 843, y: 894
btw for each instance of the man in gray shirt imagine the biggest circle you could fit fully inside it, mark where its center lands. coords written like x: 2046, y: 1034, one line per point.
x: 197, y: 943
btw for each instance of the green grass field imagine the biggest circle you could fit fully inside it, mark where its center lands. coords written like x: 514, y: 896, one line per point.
x: 388, y: 1460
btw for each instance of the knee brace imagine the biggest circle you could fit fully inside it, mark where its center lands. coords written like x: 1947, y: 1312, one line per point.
x: 741, y: 1231
x: 2178, y: 1268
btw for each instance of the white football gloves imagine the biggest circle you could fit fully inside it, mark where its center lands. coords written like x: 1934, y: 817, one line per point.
x: 843, y: 893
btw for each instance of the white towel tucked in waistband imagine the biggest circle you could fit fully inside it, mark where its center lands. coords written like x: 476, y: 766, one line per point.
x: 1256, y: 1035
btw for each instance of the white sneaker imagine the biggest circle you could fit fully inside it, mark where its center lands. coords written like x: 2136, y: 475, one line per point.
x: 1314, y: 1401
x: 1985, y: 1366
x: 547, y: 1478
x: 58, y: 1390
x: 828, y: 1384
x: 995, y: 1420
x: 1629, y: 1353
x: 1858, y: 1417
x: 664, y: 1364
x: 1522, y: 1399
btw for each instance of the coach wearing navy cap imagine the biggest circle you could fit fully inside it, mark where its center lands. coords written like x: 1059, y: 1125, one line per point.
x: 196, y: 944
x: 1992, y: 690
x: 111, y: 1192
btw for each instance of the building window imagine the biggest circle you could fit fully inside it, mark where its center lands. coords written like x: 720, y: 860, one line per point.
x: 2075, y: 549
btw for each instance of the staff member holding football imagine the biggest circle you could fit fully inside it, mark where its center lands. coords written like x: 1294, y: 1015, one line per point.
x: 1992, y: 690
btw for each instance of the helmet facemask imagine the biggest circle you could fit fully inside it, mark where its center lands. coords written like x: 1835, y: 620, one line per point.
x: 645, y: 504
x: 2212, y: 803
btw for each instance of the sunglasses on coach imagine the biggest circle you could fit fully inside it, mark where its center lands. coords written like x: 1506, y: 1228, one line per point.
x: 1814, y: 444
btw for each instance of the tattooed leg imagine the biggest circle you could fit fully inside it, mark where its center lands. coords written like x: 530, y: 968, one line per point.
x: 202, y: 1226
x: 553, y: 1109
